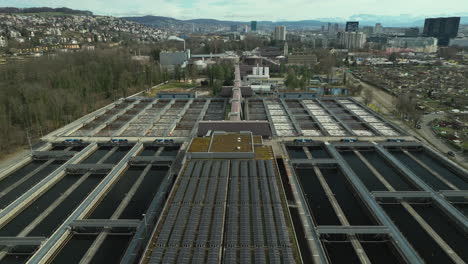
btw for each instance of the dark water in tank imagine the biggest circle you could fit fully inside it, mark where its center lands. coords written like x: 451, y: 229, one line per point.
x: 170, y: 151
x: 74, y: 250
x: 363, y: 172
x: 340, y: 252
x: 57, y: 216
x: 285, y: 180
x: 58, y: 148
x: 26, y: 185
x: 118, y: 155
x: 16, y: 258
x: 350, y: 203
x: 112, y: 250
x: 96, y: 155
x: 112, y: 199
x: 145, y: 193
x: 148, y: 151
x: 415, y: 234
x: 382, y: 252
x: 28, y: 215
x: 395, y: 178
x: 442, y: 169
x: 440, y: 222
x: 421, y: 172
x: 20, y: 173
x: 463, y: 207
x: 300, y: 235
x: 78, y: 148
x: 319, y: 152
x: 322, y: 210
x: 296, y: 153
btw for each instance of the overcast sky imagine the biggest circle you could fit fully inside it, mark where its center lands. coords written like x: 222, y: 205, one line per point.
x: 245, y: 10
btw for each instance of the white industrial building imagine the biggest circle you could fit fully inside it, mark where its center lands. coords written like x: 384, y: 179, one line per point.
x: 280, y: 33
x: 352, y: 40
x: 261, y: 71
x: 460, y: 42
x: 419, y: 44
x: 260, y: 75
x: 170, y: 60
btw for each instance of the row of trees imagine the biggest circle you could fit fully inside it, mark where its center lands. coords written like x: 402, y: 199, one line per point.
x: 298, y: 77
x: 220, y: 75
x: 44, y: 94
x: 405, y: 105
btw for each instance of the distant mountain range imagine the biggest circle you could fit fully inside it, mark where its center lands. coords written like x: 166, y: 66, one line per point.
x: 364, y: 20
x: 164, y: 22
x: 34, y: 10
x: 403, y: 20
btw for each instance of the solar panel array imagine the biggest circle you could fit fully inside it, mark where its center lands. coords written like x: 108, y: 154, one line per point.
x: 224, y: 211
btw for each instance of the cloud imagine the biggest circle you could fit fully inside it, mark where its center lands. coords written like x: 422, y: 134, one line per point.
x: 244, y: 10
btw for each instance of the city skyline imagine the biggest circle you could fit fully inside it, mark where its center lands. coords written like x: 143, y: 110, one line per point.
x: 261, y: 10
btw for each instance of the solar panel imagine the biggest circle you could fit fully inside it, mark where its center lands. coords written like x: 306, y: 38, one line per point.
x: 230, y: 256
x: 270, y: 227
x: 244, y: 169
x: 190, y: 190
x: 170, y: 256
x: 184, y: 256
x: 222, y: 190
x: 157, y: 255
x: 233, y: 190
x: 192, y: 225
x: 206, y: 169
x: 245, y: 224
x: 261, y: 168
x: 198, y: 167
x: 211, y: 192
x: 234, y: 168
x: 198, y: 255
x: 260, y: 257
x: 213, y: 256
x: 254, y: 195
x: 215, y: 169
x: 205, y: 225
x: 181, y: 190
x: 274, y: 191
x: 201, y: 190
x: 274, y: 256
x: 179, y: 226
x: 245, y: 256
x: 189, y: 169
x: 252, y: 168
x: 224, y: 169
x: 265, y: 190
x: 288, y: 256
x: 244, y: 195
x: 270, y: 170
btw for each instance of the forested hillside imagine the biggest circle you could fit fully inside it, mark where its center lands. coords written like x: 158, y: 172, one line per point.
x: 43, y: 94
x: 38, y: 10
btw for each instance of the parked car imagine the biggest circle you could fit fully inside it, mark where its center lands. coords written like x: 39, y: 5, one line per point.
x: 451, y: 154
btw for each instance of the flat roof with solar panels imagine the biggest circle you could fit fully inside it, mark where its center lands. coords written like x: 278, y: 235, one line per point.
x: 230, y: 210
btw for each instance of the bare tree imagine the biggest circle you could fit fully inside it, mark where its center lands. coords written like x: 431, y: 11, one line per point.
x: 368, y: 96
x: 415, y: 116
x: 355, y: 89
